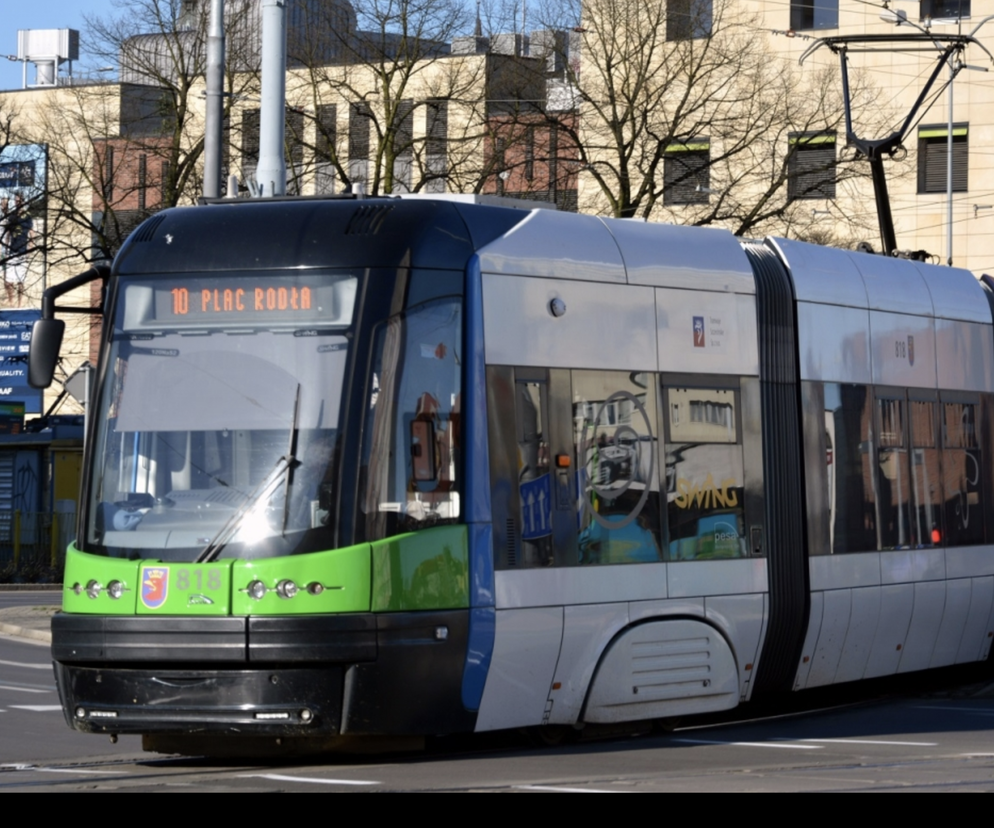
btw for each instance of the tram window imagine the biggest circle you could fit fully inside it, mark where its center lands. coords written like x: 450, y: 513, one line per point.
x: 893, y: 475
x: 534, y: 484
x: 926, y: 475
x: 961, y: 475
x: 414, y: 408
x: 852, y: 502
x: 704, y: 475
x: 617, y: 478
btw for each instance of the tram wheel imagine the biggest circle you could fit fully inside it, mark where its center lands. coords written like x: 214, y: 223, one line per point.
x: 553, y: 735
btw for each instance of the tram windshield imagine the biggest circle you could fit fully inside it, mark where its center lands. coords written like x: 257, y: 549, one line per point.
x: 219, y: 415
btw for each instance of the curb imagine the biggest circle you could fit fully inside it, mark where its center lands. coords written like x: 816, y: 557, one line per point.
x: 24, y: 632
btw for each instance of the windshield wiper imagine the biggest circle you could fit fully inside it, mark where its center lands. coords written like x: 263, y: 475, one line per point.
x: 285, y: 465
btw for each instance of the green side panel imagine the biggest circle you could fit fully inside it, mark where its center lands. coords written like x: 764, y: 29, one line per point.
x: 181, y: 588
x: 344, y: 575
x: 422, y: 571
x: 81, y: 569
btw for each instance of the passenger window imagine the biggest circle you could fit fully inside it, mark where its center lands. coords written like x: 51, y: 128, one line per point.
x: 892, y: 480
x: 618, y: 509
x: 534, y: 489
x: 961, y: 465
x: 926, y: 475
x: 851, y: 482
x: 704, y: 475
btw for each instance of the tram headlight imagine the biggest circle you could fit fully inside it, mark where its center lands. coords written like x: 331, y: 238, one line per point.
x: 315, y: 588
x: 93, y: 589
x: 286, y: 588
x: 115, y: 589
x: 257, y: 590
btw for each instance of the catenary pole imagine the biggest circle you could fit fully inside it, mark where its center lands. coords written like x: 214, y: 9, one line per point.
x: 271, y: 172
x: 215, y: 101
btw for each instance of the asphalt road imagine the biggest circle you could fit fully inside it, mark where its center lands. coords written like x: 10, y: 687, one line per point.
x: 909, y: 736
x: 933, y: 740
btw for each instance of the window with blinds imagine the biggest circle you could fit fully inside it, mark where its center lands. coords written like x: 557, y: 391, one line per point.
x: 250, y: 143
x: 360, y: 115
x: 436, y: 146
x: 293, y: 148
x: 325, y: 149
x: 687, y: 173
x: 932, y: 154
x: 403, y: 146
x: 811, y: 166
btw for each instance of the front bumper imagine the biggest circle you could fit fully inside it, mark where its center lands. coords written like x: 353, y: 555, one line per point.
x: 363, y: 673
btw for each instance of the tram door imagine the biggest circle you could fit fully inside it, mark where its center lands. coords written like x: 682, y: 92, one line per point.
x: 533, y: 482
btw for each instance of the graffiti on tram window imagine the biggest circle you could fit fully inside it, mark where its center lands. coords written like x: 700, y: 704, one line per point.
x: 618, y: 512
x: 704, y: 476
x: 707, y: 494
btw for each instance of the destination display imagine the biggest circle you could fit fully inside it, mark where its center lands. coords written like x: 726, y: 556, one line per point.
x: 225, y: 302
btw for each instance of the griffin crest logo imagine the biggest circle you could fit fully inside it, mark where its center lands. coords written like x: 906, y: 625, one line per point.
x: 155, y: 586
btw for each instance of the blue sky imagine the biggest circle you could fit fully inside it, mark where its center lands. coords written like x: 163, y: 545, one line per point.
x: 38, y: 14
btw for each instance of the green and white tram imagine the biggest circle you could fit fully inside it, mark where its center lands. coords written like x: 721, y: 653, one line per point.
x: 415, y: 466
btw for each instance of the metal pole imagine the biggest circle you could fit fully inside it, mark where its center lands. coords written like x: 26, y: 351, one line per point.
x: 271, y: 172
x: 215, y: 101
x: 949, y: 170
x: 44, y: 228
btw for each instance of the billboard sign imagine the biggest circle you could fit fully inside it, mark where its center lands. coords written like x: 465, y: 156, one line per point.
x: 22, y: 171
x: 15, y: 341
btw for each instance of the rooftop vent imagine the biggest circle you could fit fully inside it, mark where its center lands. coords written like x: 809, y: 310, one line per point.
x: 47, y: 49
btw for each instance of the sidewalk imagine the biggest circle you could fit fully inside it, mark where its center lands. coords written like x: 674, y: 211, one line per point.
x: 32, y: 621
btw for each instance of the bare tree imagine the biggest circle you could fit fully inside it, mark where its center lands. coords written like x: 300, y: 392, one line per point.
x: 123, y: 150
x: 391, y: 94
x: 687, y: 114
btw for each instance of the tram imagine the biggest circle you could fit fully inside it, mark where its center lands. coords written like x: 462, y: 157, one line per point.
x: 424, y: 465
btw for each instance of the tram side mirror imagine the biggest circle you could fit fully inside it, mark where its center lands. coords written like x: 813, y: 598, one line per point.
x: 423, y: 450
x: 46, y: 341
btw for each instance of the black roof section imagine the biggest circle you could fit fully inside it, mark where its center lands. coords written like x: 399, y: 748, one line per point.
x: 273, y: 234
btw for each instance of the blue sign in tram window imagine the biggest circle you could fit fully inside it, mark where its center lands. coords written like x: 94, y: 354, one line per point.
x: 536, y: 508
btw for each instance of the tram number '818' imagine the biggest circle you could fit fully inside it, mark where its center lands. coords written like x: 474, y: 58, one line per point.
x: 900, y: 349
x: 213, y: 579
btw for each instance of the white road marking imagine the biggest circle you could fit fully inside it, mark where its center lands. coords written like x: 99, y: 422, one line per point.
x: 25, y: 664
x: 871, y: 742
x: 556, y: 789
x: 23, y: 767
x: 22, y: 689
x: 749, y: 744
x: 36, y: 708
x: 278, y: 777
